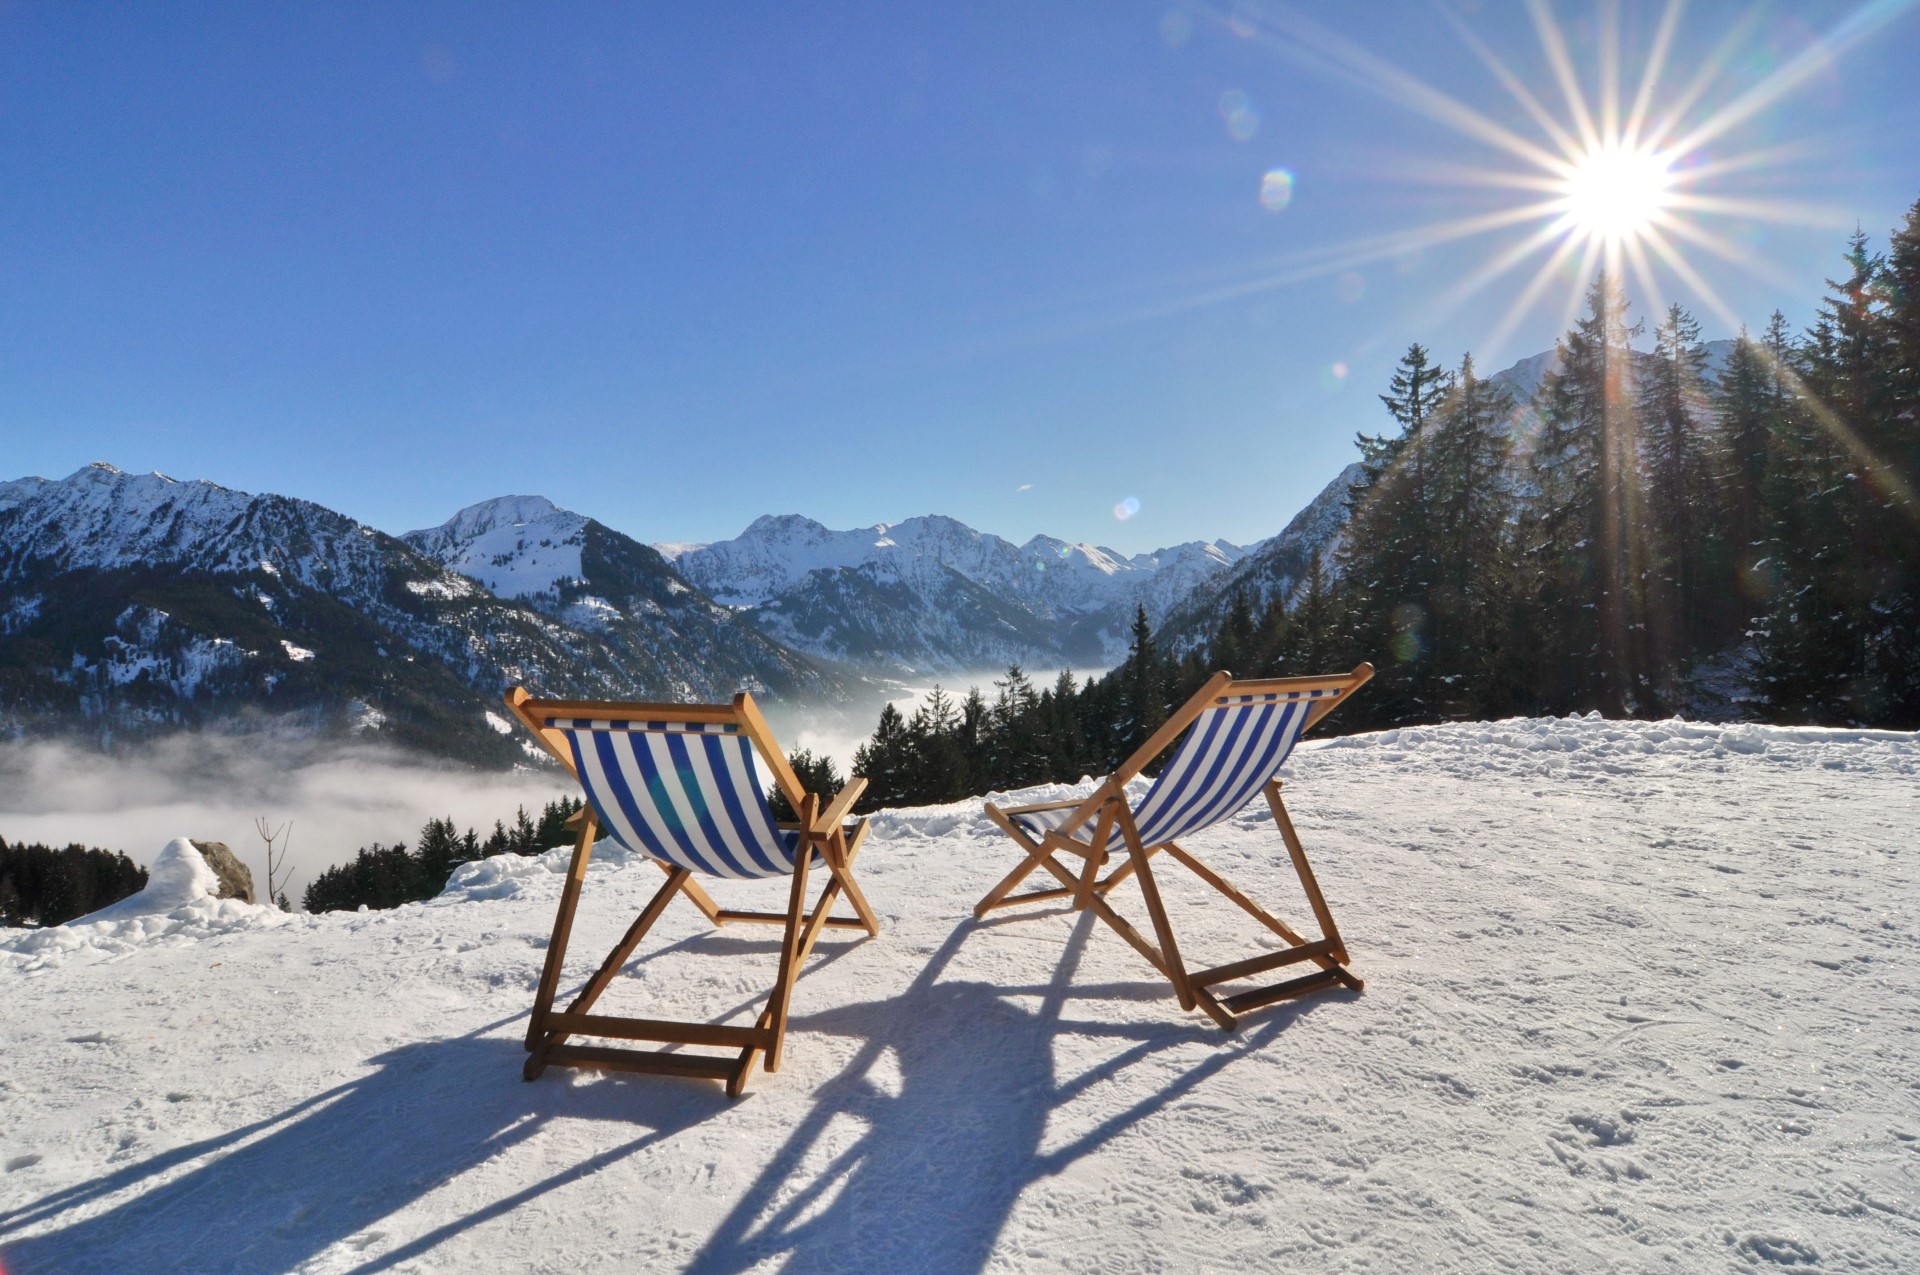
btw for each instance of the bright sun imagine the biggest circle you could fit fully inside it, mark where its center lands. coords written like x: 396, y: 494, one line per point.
x: 1614, y: 194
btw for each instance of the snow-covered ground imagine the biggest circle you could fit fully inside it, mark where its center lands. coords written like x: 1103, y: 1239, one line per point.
x: 1639, y: 997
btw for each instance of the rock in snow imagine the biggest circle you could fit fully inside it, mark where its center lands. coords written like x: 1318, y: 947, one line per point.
x: 236, y: 879
x: 1640, y: 996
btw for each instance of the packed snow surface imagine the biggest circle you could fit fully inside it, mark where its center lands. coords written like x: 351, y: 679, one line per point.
x: 1640, y: 996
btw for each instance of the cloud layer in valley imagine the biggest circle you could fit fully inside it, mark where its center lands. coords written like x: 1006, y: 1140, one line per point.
x: 213, y: 787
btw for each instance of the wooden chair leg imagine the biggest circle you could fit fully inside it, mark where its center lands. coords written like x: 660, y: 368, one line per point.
x: 839, y: 864
x: 1150, y: 891
x: 608, y: 968
x: 1321, y: 912
x: 562, y: 931
x: 1010, y: 882
x: 696, y: 895
x: 789, y: 948
x: 1102, y: 829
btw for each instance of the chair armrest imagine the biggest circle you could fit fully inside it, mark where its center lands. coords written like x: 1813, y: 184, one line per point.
x: 836, y: 813
x: 1068, y: 804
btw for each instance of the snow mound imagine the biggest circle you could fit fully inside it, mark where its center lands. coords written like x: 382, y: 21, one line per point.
x: 1589, y: 746
x: 507, y: 876
x: 177, y: 903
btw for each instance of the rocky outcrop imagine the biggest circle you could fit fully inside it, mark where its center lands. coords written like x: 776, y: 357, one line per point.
x: 236, y: 882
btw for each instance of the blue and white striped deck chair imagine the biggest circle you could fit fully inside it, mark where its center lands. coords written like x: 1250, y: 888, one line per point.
x: 1233, y: 739
x: 676, y: 783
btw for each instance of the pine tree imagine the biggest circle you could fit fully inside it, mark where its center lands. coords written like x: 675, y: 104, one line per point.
x: 1679, y: 454
x: 1899, y: 657
x: 817, y: 774
x: 1468, y: 601
x: 883, y: 760
x: 1744, y: 398
x: 1145, y: 704
x: 1582, y: 527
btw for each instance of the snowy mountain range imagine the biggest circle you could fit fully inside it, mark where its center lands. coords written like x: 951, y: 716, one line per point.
x: 133, y: 603
x: 934, y: 594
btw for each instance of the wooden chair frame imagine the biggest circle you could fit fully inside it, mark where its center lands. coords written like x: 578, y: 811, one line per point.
x: 1107, y: 807
x: 823, y: 827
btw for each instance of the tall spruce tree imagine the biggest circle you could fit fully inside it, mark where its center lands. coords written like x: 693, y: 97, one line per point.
x: 1387, y: 559
x: 1582, y: 536
x: 1469, y: 598
x: 1745, y: 400
x: 1679, y: 452
x: 1145, y: 704
x: 1900, y: 441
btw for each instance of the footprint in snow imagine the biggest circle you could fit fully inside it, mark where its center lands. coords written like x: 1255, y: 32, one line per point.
x: 1602, y: 1131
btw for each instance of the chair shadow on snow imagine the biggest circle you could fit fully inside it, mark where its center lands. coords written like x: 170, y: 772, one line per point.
x: 950, y: 1145
x: 946, y: 1151
x: 329, y: 1170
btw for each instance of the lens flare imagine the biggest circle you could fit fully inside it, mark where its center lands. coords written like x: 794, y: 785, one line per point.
x: 1236, y: 108
x: 1276, y: 189
x: 1126, y: 509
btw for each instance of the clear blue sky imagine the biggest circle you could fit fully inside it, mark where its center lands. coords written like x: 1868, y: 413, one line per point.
x: 677, y: 266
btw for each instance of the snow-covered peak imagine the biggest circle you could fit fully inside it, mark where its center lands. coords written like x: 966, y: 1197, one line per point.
x: 517, y: 546
x: 102, y: 517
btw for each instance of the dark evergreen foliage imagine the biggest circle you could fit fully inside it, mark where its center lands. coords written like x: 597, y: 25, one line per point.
x: 387, y: 876
x: 817, y: 775
x: 48, y: 885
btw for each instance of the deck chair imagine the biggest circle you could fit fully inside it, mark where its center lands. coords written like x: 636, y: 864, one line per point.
x: 1237, y: 736
x: 676, y: 783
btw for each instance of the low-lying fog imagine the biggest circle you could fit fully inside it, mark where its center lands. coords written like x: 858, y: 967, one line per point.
x: 339, y: 798
x: 213, y: 787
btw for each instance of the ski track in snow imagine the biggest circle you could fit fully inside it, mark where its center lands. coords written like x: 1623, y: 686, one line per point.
x: 1640, y: 996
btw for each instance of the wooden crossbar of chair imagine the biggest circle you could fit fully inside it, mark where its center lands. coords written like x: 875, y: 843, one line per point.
x: 1107, y: 809
x: 824, y: 831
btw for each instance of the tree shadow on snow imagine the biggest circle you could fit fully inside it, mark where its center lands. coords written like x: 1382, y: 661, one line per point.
x: 330, y: 1168
x: 954, y: 1124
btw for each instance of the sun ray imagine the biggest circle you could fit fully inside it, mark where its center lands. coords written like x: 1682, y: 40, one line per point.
x: 1512, y: 83
x: 1650, y: 75
x: 1695, y: 280
x: 1862, y: 23
x: 1615, y: 181
x: 1379, y: 76
x: 1758, y: 266
x: 1758, y: 157
x: 1554, y: 43
x: 1703, y: 79
x: 1437, y: 173
x: 1636, y: 253
x: 1783, y: 211
x: 1881, y: 474
x: 1575, y: 294
x: 1530, y: 295
x: 1609, y: 69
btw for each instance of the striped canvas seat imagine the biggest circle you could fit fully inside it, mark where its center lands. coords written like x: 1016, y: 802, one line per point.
x: 1229, y: 742
x: 1223, y: 763
x: 685, y: 793
x: 681, y: 784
